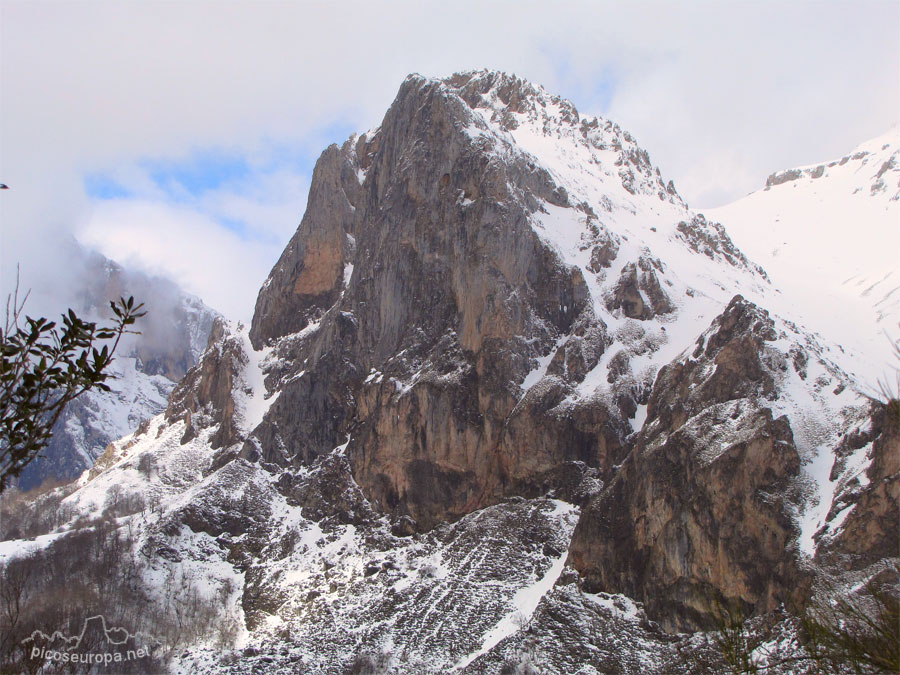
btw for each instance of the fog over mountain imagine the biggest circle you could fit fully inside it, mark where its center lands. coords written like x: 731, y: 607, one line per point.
x: 171, y: 338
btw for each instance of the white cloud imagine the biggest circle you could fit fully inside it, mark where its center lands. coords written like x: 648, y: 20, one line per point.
x: 220, y: 266
x: 719, y: 93
x: 187, y: 241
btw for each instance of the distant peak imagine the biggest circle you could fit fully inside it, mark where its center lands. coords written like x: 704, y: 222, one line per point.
x: 872, y: 158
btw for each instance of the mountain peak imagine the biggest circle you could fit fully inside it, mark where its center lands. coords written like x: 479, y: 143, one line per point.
x: 501, y: 372
x: 502, y: 92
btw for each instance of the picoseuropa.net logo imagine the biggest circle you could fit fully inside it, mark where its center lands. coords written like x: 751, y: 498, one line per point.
x: 96, y: 644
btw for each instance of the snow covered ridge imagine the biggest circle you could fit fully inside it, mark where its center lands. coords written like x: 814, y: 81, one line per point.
x: 614, y: 209
x: 586, y: 156
x: 828, y: 235
x: 830, y: 244
x: 873, y: 165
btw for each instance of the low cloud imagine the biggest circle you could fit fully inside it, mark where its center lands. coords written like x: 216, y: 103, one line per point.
x: 219, y: 265
x: 720, y: 94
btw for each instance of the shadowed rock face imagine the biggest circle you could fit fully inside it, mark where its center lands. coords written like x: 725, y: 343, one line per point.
x: 452, y: 294
x: 697, y: 515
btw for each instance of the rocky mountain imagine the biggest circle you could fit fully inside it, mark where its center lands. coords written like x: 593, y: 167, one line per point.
x: 507, y: 404
x: 172, y: 339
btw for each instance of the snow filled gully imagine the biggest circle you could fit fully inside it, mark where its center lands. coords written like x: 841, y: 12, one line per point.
x: 525, y: 601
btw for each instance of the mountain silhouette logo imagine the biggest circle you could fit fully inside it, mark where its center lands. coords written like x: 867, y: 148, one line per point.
x: 97, y: 642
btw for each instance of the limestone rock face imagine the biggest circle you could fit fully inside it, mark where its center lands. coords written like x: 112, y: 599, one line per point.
x: 205, y: 397
x: 493, y: 297
x: 433, y: 317
x: 705, y: 484
x: 639, y: 295
x: 308, y: 277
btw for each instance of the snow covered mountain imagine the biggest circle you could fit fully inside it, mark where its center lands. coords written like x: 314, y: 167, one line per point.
x: 173, y: 337
x: 506, y: 403
x: 829, y: 235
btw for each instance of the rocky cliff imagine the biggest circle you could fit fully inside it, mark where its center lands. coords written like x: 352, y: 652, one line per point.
x: 505, y: 400
x: 488, y: 296
x: 426, y: 289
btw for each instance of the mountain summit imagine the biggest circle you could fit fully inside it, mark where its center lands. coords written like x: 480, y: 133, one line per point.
x: 505, y: 398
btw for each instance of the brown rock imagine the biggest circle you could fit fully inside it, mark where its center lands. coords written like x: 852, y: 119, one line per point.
x: 206, y: 394
x: 699, y: 513
x: 871, y: 531
x: 308, y: 277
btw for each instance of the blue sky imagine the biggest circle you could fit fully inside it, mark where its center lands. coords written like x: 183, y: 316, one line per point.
x: 211, y: 168
x: 592, y: 92
x: 186, y: 179
x: 232, y: 211
x: 102, y: 186
x: 201, y: 172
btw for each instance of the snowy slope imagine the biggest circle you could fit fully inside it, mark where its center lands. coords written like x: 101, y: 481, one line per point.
x: 829, y: 237
x: 619, y: 200
x: 142, y: 372
x: 402, y: 599
x: 133, y: 398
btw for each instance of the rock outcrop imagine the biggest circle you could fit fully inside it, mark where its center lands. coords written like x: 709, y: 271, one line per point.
x: 308, y: 277
x: 698, y: 516
x: 861, y: 525
x: 206, y: 396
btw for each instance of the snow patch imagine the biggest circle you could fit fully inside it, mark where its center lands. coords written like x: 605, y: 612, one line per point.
x: 250, y: 398
x: 525, y: 600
